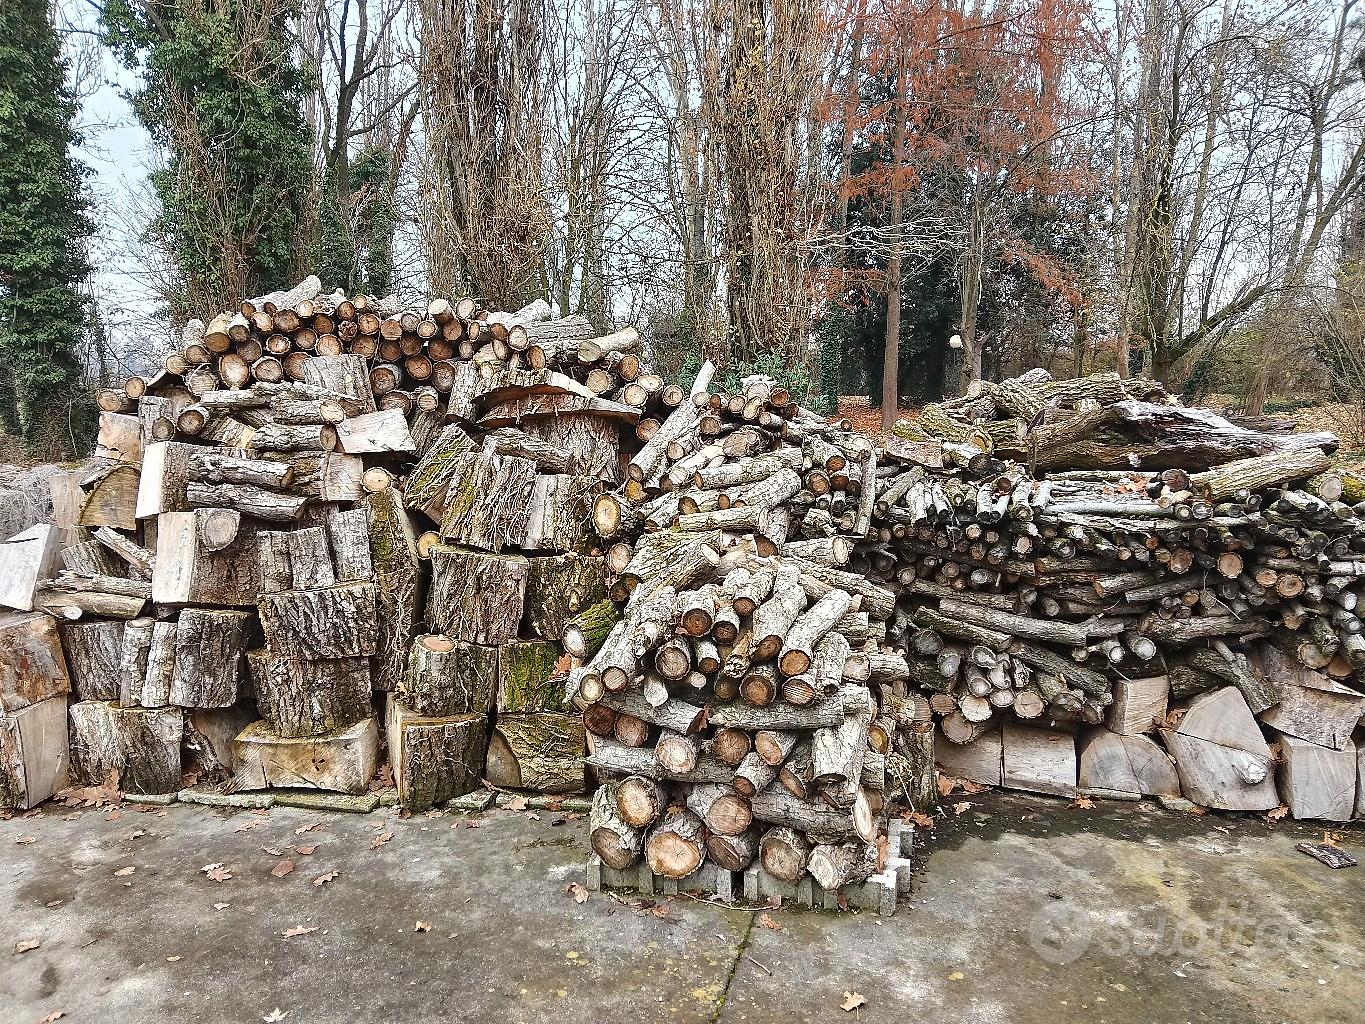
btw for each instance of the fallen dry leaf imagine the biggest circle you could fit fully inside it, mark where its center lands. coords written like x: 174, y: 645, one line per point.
x: 307, y: 828
x: 960, y: 808
x: 972, y: 788
x: 54, y: 1015
x: 922, y: 820
x: 174, y: 959
x: 517, y: 803
x: 275, y: 1016
x: 852, y: 1000
x: 767, y: 921
x: 380, y: 840
x: 273, y: 851
x: 298, y: 929
x: 247, y: 826
x: 1083, y: 802
x: 1278, y: 812
x: 946, y: 784
x: 579, y: 894
x: 221, y: 906
x: 306, y: 851
x: 124, y: 872
x: 25, y: 840
x: 421, y: 926
x: 216, y: 872
x: 323, y: 879
x: 24, y: 945
x: 282, y: 868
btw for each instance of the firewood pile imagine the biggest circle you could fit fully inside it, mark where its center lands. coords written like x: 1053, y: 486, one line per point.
x: 1200, y: 588
x: 800, y: 612
x: 747, y: 707
x: 328, y: 523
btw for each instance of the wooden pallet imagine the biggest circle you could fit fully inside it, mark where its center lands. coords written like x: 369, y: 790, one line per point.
x: 755, y: 886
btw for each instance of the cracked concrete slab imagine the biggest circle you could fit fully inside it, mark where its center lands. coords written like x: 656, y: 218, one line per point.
x: 1028, y: 910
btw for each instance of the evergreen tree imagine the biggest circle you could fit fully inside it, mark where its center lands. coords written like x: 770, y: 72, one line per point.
x: 43, y: 230
x: 222, y: 94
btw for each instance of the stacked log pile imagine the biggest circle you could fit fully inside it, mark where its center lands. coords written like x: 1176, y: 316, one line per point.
x: 788, y: 594
x: 1064, y: 619
x: 323, y: 503
x: 746, y: 706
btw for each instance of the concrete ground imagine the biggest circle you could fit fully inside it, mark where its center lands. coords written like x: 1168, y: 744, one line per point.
x: 1026, y: 911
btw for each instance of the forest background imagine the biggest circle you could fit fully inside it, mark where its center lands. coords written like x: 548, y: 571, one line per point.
x: 887, y: 198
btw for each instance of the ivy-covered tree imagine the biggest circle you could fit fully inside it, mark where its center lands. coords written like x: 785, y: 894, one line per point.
x: 43, y: 230
x: 222, y: 93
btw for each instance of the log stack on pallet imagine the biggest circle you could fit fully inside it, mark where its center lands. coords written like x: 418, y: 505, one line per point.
x: 313, y: 533
x: 744, y: 707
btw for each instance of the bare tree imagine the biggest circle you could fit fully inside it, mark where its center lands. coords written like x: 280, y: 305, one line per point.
x: 485, y: 219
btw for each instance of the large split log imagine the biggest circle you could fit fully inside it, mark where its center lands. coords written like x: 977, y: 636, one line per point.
x: 1124, y: 766
x: 26, y: 558
x: 311, y: 697
x: 434, y: 472
x: 209, y: 647
x: 34, y: 758
x: 1222, y: 758
x: 93, y: 651
x: 475, y: 596
x: 342, y: 762
x: 138, y: 747
x: 336, y: 622
x: 488, y: 502
x: 187, y: 571
x: 209, y: 734
x: 541, y: 751
x: 393, y: 556
x: 383, y: 431
x: 560, y: 513
x: 434, y: 759
x: 32, y: 665
x: 447, y: 677
x: 1039, y: 760
x: 565, y: 585
x: 1317, y: 781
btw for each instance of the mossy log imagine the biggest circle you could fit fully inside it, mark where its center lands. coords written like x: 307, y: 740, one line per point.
x: 563, y: 586
x: 488, y: 501
x: 448, y: 677
x: 585, y: 633
x: 541, y: 751
x: 526, y: 677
